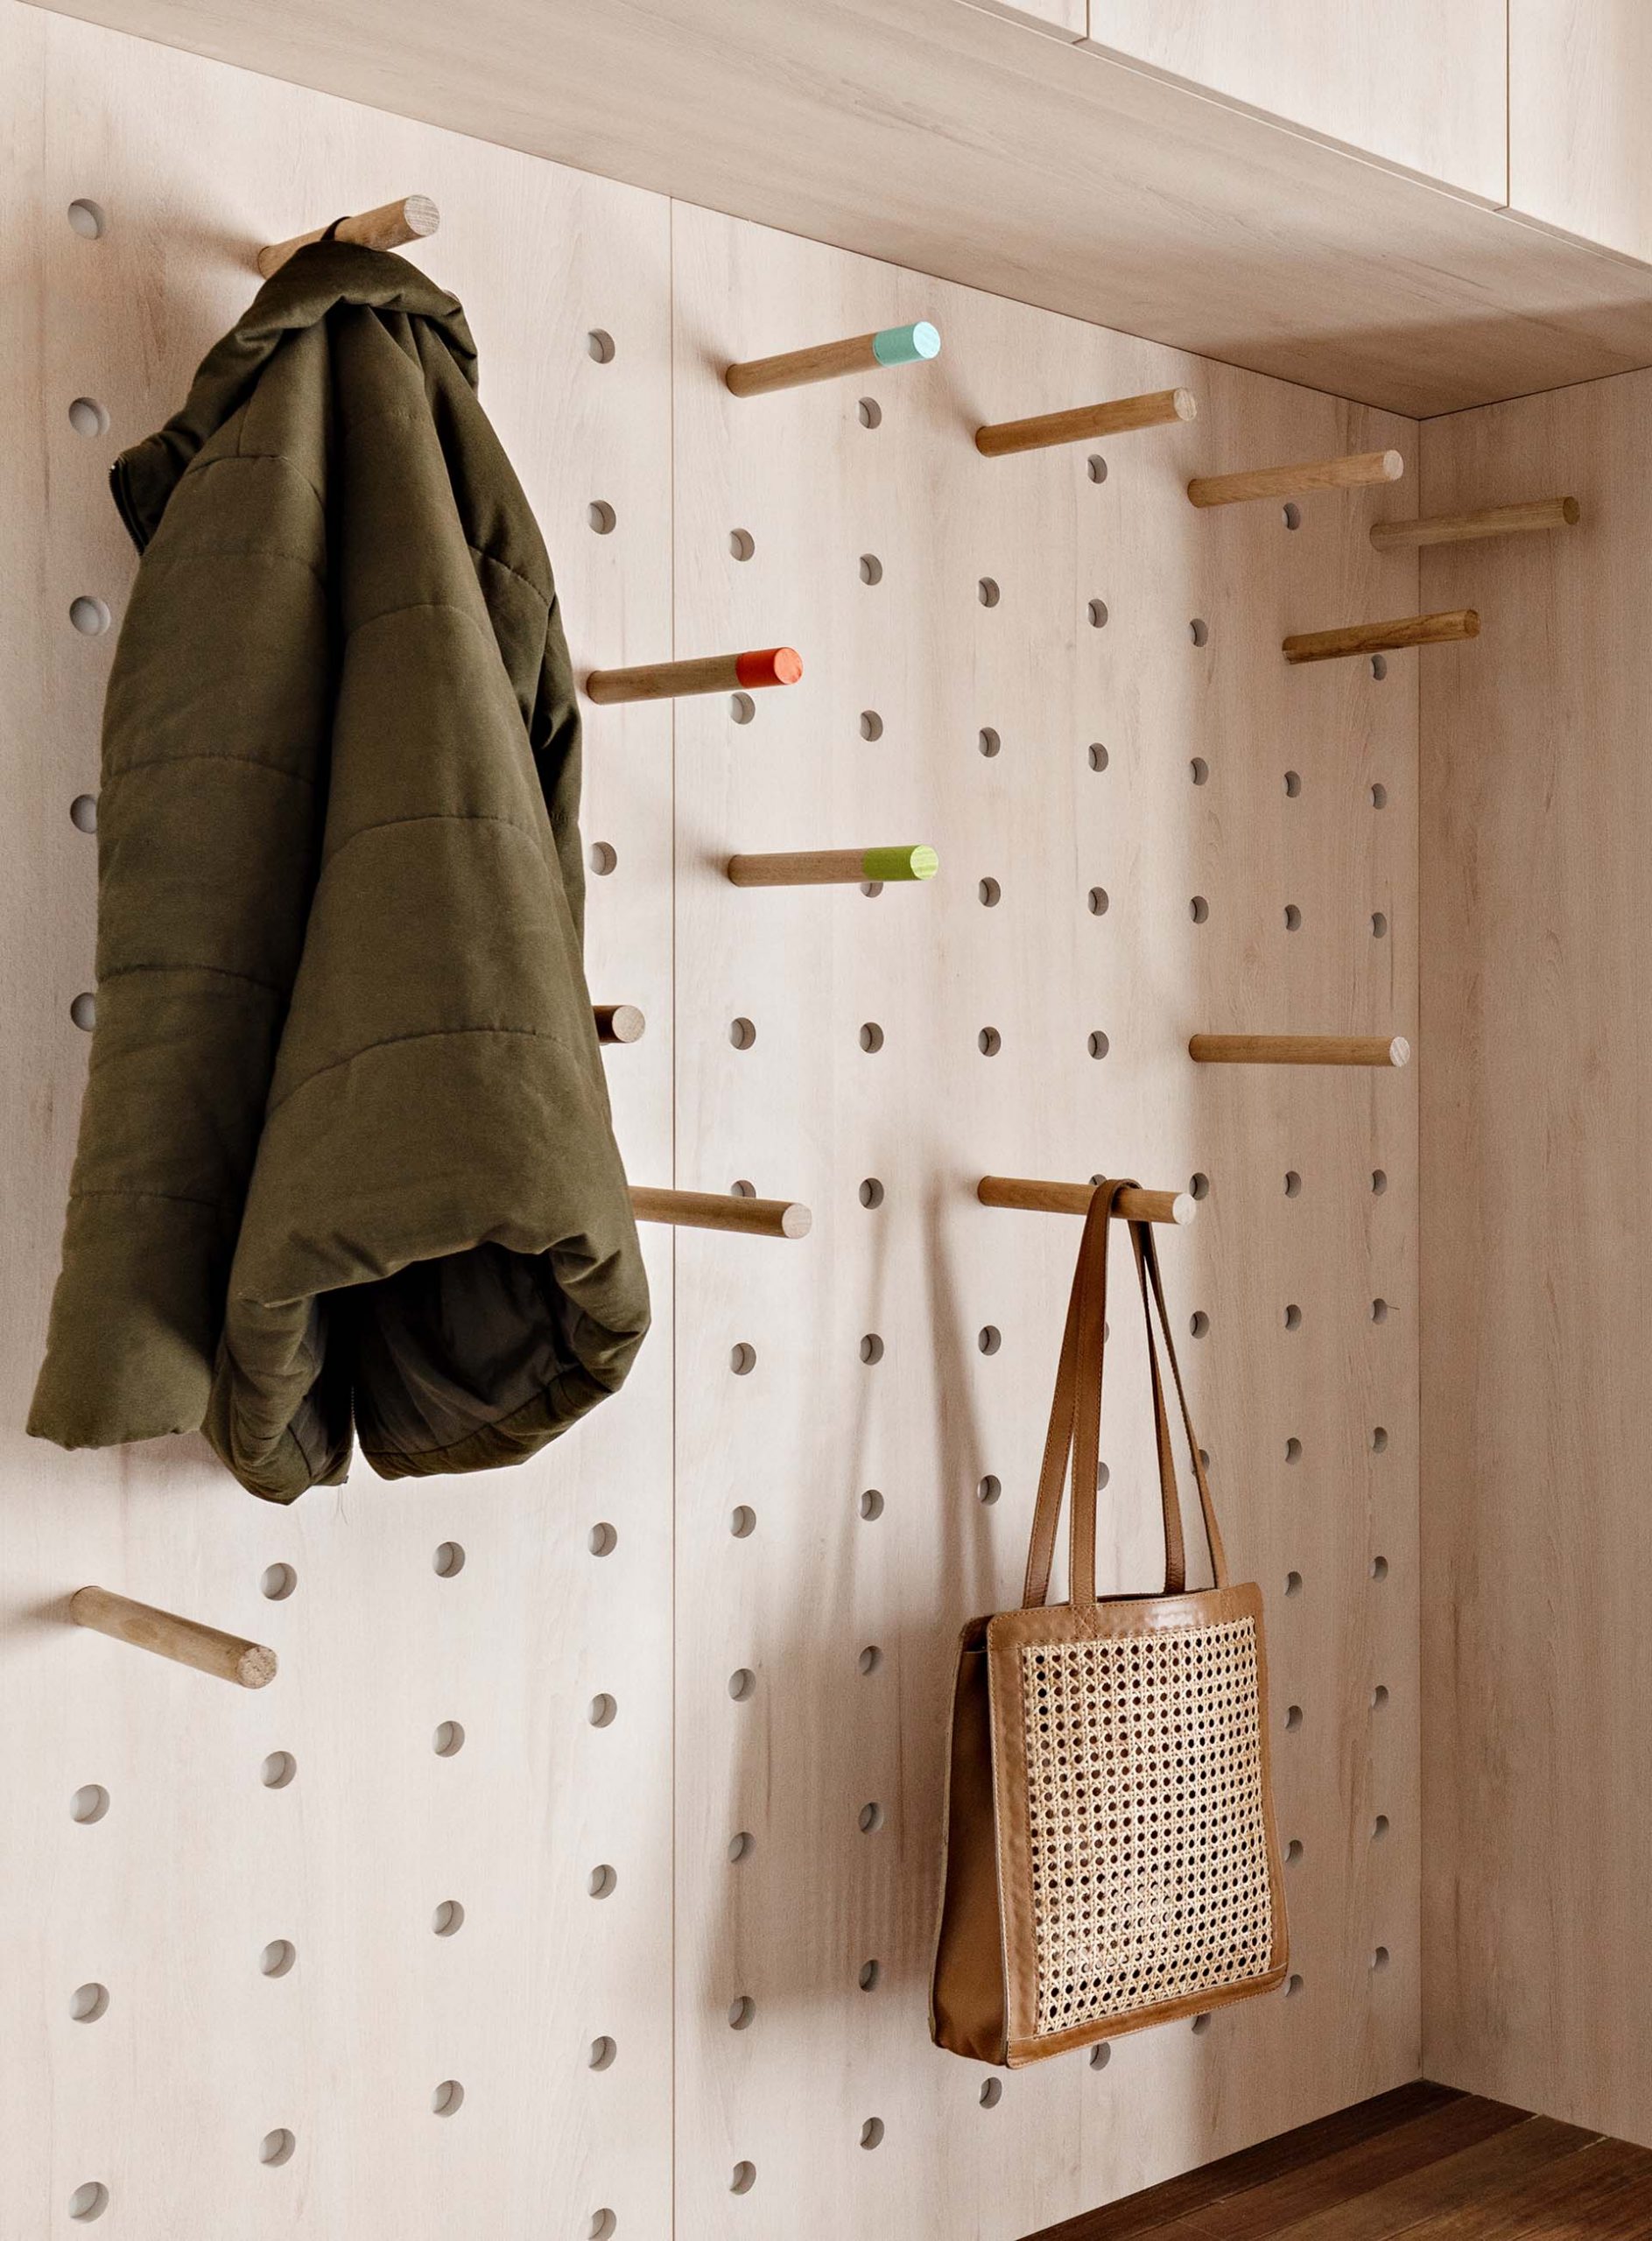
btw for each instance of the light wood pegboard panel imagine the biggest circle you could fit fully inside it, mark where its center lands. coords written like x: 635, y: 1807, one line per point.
x: 1537, y: 1070
x: 803, y: 1437
x: 171, y: 1898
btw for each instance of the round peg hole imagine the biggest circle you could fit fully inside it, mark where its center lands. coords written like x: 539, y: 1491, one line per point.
x: 278, y: 1958
x: 89, y: 1803
x: 741, y: 544
x: 603, y: 1539
x: 988, y: 1489
x: 1096, y: 466
x: 1098, y: 613
x: 88, y: 2003
x: 604, y: 2226
x: 989, y: 1043
x: 1098, y: 1044
x: 989, y: 892
x: 277, y: 1770
x: 1103, y: 1477
x: 1101, y: 2056
x: 989, y: 1338
x: 871, y: 1347
x: 869, y: 1660
x: 601, y: 516
x: 448, y: 1739
x: 992, y: 2092
x: 1293, y: 919
x: 602, y: 858
x: 90, y: 616
x: 872, y: 2132
x: 742, y: 1684
x: 448, y: 1560
x: 1099, y: 757
x: 1379, y: 1959
x: 871, y: 724
x: 88, y: 218
x: 743, y: 2013
x: 87, y: 418
x: 1293, y: 1450
x: 602, y: 1711
x: 276, y: 2147
x: 1294, y: 1852
x: 599, y: 345
x: 1380, y: 1310
x: 1293, y: 1583
x: 278, y: 1582
x: 742, y: 1033
x: 83, y: 1011
x: 1198, y: 1324
x: 1293, y: 1717
x: 869, y: 1974
x: 871, y: 1505
x: 987, y: 592
x: 602, y: 2053
x: 1200, y: 2024
x: 871, y: 1192
x: 1379, y: 796
x: 448, y: 1919
x: 1199, y: 1185
x: 741, y: 1188
x: 1378, y: 1567
x: 1293, y: 1985
x: 742, y: 1845
x: 1198, y: 631
x: 742, y: 2179
x: 1198, y: 909
x: 741, y: 707
x: 1290, y: 514
x: 1293, y: 784
x: 1379, y: 1828
x: 1198, y: 770
x: 988, y: 742
x: 1098, y: 901
x: 1379, y: 1439
x: 870, y: 412
x: 1379, y: 1181
x: 1293, y: 1183
x: 1293, y: 1317
x: 448, y: 2098
x: 742, y: 1522
x: 83, y: 812
x: 602, y: 1882
x: 1378, y: 1698
x: 742, y: 1359
x: 870, y: 1818
x: 871, y: 1035
x: 1379, y: 666
x: 871, y: 568
x: 89, y: 2201
x: 1379, y: 924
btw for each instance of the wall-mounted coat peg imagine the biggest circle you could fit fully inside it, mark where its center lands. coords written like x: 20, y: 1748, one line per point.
x: 228, y: 1657
x: 1134, y: 1205
x: 1117, y: 418
x: 709, y: 673
x: 833, y: 866
x: 1490, y: 521
x: 710, y: 1210
x: 1345, y: 473
x: 1382, y: 637
x: 618, y: 1023
x: 1299, y: 1050
x: 391, y: 226
x: 825, y: 361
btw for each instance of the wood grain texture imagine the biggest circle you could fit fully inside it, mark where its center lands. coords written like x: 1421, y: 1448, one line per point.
x: 1420, y: 87
x: 902, y: 1359
x: 1579, y: 73
x: 1479, y: 521
x: 187, y: 1642
x: 1537, y: 1655
x: 953, y: 141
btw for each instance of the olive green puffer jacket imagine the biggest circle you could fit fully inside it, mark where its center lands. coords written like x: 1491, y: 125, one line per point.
x: 345, y: 1157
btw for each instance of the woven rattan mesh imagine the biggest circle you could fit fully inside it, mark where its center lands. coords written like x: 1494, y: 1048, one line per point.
x: 1150, y: 1843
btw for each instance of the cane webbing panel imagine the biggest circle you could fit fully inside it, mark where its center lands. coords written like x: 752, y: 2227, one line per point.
x: 1147, y: 1820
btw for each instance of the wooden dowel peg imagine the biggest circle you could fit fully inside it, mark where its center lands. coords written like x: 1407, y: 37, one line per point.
x: 710, y: 673
x: 710, y: 1210
x: 833, y: 866
x: 1300, y: 1049
x: 391, y: 226
x: 229, y: 1657
x: 1345, y: 473
x: 1382, y: 637
x: 1490, y: 521
x: 618, y: 1023
x: 825, y: 361
x: 1117, y: 418
x: 1074, y: 1198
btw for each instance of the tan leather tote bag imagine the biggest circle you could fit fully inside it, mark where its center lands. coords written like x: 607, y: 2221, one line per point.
x: 1110, y: 1857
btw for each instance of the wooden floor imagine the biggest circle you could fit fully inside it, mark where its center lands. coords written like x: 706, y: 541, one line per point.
x: 1423, y: 2162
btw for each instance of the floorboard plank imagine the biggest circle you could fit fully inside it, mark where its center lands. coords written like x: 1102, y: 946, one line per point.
x: 1502, y: 2166
x: 1604, y: 2193
x: 1156, y: 2208
x: 1267, y: 2210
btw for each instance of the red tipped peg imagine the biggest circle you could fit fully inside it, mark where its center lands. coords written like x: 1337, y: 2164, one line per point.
x: 774, y: 665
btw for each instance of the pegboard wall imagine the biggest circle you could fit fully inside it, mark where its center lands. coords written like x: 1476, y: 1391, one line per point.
x: 647, y: 1953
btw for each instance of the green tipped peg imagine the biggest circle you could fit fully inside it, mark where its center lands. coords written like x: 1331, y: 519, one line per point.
x: 900, y: 863
x: 904, y: 345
